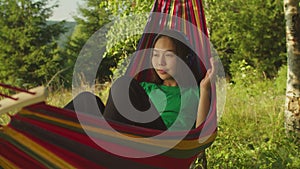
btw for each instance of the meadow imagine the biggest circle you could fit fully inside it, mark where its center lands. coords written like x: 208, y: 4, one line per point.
x: 251, y: 132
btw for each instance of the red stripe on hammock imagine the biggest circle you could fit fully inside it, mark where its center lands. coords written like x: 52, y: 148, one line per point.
x: 123, y: 127
x: 18, y: 157
x: 94, y: 121
x: 73, y: 159
x: 159, y: 161
x: 179, y: 15
x: 202, y: 15
x: 80, y: 157
x: 71, y: 134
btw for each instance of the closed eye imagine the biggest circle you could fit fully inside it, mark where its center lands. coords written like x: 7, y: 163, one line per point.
x: 169, y: 54
x: 155, y: 55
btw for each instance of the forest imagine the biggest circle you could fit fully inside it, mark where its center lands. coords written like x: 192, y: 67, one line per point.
x: 249, y: 37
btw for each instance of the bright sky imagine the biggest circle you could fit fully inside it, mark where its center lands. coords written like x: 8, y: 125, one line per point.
x: 66, y: 9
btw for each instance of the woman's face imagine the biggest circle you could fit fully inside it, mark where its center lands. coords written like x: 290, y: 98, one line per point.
x: 164, y: 59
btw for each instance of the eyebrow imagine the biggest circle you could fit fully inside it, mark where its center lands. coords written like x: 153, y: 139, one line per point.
x: 170, y: 50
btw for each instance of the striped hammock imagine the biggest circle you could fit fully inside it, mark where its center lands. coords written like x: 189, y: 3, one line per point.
x: 43, y: 136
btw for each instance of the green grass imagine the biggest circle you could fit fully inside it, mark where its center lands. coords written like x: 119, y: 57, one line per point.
x: 60, y: 97
x: 251, y: 131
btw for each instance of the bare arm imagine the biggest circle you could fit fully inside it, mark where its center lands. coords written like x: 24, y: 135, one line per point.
x: 203, y: 107
x: 205, y: 94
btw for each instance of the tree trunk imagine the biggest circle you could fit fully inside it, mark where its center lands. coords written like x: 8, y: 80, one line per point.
x: 292, y: 108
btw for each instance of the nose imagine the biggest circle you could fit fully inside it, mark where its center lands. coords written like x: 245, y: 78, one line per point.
x: 162, y: 60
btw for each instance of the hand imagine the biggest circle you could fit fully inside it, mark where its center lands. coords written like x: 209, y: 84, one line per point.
x: 205, y: 94
x: 205, y: 84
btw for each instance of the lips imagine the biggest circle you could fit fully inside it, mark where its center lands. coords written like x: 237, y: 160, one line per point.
x: 161, y: 71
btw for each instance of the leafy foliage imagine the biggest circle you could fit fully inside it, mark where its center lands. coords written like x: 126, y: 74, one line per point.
x: 29, y: 54
x: 129, y: 20
x: 121, y: 37
x: 250, y: 30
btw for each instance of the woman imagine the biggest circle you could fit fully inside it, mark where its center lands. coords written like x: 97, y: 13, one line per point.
x: 168, y: 93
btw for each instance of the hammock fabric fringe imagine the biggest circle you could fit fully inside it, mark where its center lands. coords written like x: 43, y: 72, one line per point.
x: 43, y: 136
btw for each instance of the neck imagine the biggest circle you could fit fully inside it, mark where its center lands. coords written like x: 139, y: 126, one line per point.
x: 170, y: 82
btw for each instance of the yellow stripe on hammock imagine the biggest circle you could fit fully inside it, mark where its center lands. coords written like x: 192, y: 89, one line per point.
x: 7, y: 164
x: 165, y: 143
x: 196, y: 12
x: 183, y: 17
x: 172, y: 6
x: 36, y: 148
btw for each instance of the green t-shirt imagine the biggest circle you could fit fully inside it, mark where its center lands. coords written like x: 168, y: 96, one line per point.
x: 169, y: 101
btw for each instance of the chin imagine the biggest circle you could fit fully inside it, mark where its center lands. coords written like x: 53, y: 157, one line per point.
x: 165, y: 78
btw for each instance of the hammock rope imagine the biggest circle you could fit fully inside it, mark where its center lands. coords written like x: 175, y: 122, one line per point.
x: 7, y: 96
x: 16, y: 88
x: 23, y: 98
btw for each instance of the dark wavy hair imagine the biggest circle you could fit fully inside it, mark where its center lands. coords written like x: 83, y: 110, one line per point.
x: 183, y: 50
